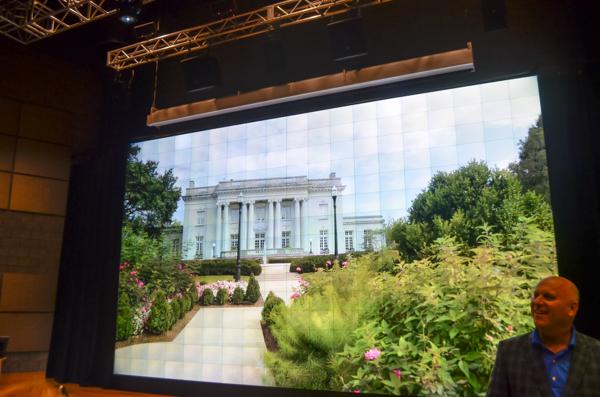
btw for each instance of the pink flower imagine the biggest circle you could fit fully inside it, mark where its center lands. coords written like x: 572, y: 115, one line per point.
x: 133, y: 273
x: 121, y: 267
x: 372, y: 354
x: 328, y: 262
x: 397, y: 372
x: 295, y: 295
x: 344, y: 264
x: 509, y: 328
x: 299, y: 269
x: 490, y: 338
x: 181, y: 267
x: 356, y: 391
x: 140, y: 284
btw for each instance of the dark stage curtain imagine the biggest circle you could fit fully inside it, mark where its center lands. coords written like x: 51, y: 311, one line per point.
x: 84, y: 320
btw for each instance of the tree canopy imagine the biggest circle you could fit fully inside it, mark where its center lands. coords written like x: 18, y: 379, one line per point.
x: 461, y: 203
x: 532, y: 167
x: 150, y: 197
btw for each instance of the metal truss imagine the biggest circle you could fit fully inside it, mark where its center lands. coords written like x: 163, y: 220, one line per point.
x: 262, y: 20
x: 27, y: 21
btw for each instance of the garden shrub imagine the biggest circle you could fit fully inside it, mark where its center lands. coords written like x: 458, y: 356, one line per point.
x: 176, y: 309
x: 253, y: 290
x: 438, y: 321
x: 308, y: 264
x: 207, y: 297
x: 272, y: 302
x: 161, y: 316
x: 205, y: 267
x: 221, y: 298
x: 125, y: 326
x: 238, y: 296
x: 193, y: 295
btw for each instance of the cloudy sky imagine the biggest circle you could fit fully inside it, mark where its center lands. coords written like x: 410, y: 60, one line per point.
x: 384, y: 151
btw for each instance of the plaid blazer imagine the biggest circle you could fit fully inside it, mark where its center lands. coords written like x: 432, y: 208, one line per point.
x: 519, y: 370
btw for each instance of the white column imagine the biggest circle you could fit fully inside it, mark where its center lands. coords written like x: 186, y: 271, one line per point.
x: 244, y: 232
x: 218, y: 234
x: 250, y: 240
x: 278, y: 224
x: 297, y: 236
x: 305, y: 236
x: 226, y: 237
x: 270, y: 225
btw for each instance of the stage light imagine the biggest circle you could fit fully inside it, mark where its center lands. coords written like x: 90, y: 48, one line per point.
x: 130, y: 12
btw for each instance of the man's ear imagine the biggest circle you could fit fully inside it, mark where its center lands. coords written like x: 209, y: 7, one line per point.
x: 573, y: 307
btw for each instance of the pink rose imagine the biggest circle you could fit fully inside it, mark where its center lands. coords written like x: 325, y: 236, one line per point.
x: 133, y: 273
x: 140, y: 284
x: 398, y: 373
x: 344, y: 264
x: 121, y: 267
x: 372, y: 354
x: 356, y: 391
x: 299, y: 269
x: 295, y: 295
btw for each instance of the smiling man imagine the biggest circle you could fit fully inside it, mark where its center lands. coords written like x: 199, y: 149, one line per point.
x: 554, y: 360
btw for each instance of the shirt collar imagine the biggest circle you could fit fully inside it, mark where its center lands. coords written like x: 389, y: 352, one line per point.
x: 535, y: 339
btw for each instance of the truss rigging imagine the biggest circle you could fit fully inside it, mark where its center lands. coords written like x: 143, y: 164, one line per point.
x: 27, y: 21
x: 262, y: 20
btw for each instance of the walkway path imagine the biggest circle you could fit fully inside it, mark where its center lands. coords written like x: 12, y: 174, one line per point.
x: 217, y: 345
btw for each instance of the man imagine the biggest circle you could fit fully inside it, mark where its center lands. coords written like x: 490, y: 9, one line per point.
x: 554, y: 360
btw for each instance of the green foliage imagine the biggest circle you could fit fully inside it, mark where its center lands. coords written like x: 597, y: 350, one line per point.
x: 459, y: 203
x: 161, y: 315
x: 439, y: 319
x: 237, y: 298
x: 253, y: 290
x: 150, y: 198
x: 207, y: 297
x: 221, y: 298
x: 169, y: 277
x: 532, y: 167
x: 271, y: 303
x: 207, y: 267
x: 124, y: 317
x: 193, y: 294
x: 318, y: 325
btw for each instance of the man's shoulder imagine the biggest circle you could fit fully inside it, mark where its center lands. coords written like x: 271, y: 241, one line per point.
x: 516, y: 342
x: 590, y: 343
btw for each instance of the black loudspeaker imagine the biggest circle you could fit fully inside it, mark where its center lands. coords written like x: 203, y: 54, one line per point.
x: 347, y: 38
x: 201, y: 73
x: 494, y: 14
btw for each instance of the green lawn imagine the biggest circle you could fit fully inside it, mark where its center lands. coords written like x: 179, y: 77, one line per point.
x: 212, y: 279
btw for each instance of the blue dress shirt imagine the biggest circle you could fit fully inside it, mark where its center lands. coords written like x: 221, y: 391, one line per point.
x: 557, y: 364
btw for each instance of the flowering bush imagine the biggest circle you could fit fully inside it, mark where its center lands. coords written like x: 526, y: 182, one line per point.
x: 228, y: 286
x: 372, y: 354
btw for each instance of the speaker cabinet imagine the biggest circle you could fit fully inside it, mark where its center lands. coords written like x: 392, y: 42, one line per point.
x: 347, y: 38
x: 201, y: 73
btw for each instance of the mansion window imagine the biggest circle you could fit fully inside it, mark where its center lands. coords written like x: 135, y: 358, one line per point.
x: 259, y: 214
x: 323, y: 241
x: 199, y: 247
x: 286, y: 212
x: 259, y: 241
x: 368, y: 240
x: 349, y: 240
x: 323, y: 210
x: 285, y: 239
x: 234, y: 241
x: 201, y: 217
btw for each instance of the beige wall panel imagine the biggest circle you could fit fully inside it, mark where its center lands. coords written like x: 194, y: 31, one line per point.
x: 45, y: 124
x: 4, y: 189
x: 27, y: 331
x: 9, y: 114
x: 7, y: 151
x: 46, y: 196
x: 43, y: 159
x: 28, y: 292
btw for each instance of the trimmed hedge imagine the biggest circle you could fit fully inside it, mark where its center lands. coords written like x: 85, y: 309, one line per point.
x: 238, y: 296
x: 221, y: 298
x: 161, y: 315
x: 207, y: 267
x: 253, y: 290
x: 271, y: 303
x: 207, y: 297
x: 124, y: 318
x: 309, y: 263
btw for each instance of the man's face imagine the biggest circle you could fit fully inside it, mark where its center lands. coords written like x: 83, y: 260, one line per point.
x: 553, y: 305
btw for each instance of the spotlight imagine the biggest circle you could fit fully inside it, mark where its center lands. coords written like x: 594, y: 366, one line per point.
x: 130, y: 11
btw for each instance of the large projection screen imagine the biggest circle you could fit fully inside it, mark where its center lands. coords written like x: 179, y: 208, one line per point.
x: 401, y: 189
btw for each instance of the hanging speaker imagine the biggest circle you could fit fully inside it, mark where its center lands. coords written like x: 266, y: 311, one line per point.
x: 347, y: 38
x: 494, y: 14
x: 201, y: 73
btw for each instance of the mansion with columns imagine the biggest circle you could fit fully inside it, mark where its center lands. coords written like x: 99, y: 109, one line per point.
x: 288, y: 216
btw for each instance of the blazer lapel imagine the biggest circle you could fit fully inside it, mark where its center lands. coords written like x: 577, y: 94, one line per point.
x: 539, y: 370
x: 579, y: 360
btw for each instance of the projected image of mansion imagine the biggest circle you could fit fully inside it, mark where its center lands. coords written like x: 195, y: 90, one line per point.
x: 279, y: 216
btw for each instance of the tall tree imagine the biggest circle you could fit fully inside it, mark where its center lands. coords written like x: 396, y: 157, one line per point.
x: 150, y: 197
x: 532, y: 167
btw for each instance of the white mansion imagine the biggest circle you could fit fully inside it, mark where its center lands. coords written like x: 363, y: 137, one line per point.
x: 279, y: 217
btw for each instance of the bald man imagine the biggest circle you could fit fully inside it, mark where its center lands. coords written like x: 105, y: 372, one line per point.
x: 554, y: 360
